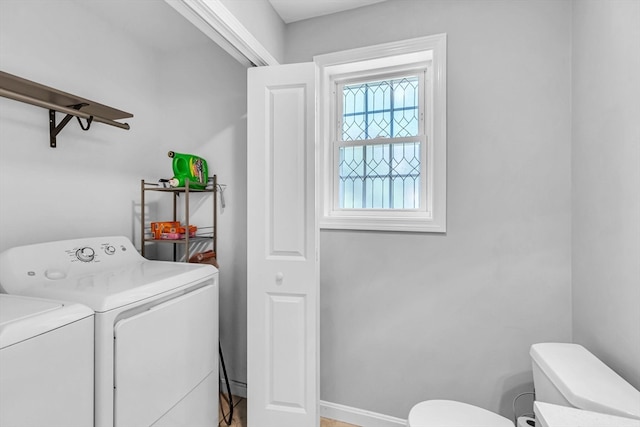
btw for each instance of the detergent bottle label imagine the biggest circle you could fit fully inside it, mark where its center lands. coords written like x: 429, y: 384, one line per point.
x: 188, y: 166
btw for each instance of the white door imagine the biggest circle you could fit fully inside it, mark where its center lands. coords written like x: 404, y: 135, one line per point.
x: 283, y: 303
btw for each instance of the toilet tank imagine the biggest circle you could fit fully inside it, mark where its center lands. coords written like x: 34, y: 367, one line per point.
x: 569, y: 375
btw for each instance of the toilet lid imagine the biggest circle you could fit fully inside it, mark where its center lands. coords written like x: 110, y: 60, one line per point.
x: 448, y: 413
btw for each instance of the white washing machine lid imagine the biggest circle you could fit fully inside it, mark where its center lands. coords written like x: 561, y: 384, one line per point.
x: 585, y: 381
x: 449, y: 413
x: 22, y: 318
x: 114, y: 276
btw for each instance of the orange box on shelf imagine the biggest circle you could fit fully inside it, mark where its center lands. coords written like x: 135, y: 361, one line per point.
x: 157, y: 228
x: 192, y: 231
x: 171, y: 230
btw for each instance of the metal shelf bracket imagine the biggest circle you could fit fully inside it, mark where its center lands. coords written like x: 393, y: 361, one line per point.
x: 54, y: 129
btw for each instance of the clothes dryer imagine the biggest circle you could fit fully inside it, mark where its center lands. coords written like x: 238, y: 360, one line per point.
x: 156, y: 326
x: 46, y: 363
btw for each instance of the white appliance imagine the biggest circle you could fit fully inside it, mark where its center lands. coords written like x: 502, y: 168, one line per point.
x: 156, y: 326
x: 46, y: 363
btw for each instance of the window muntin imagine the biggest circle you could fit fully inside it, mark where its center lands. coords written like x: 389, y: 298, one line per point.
x: 380, y: 109
x: 383, y: 176
x: 380, y: 142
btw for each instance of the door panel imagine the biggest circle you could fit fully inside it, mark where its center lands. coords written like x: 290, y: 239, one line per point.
x: 286, y: 169
x: 286, y: 330
x: 282, y: 273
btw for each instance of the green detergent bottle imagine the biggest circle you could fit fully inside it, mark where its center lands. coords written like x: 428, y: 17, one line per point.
x: 189, y: 166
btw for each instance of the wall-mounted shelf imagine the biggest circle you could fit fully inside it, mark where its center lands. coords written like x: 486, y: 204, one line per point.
x: 19, y: 89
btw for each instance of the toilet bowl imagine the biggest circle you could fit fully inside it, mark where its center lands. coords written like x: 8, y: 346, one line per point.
x: 449, y: 413
x: 569, y: 375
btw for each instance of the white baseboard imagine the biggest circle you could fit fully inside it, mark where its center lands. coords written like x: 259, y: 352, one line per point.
x: 237, y: 388
x: 358, y: 417
x: 334, y: 411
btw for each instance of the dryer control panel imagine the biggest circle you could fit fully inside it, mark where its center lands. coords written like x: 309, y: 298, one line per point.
x: 61, y: 259
x: 95, y: 251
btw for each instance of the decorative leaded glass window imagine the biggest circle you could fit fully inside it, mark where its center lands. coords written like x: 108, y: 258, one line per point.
x: 379, y: 142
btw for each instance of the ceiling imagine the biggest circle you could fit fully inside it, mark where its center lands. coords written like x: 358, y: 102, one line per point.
x: 297, y: 10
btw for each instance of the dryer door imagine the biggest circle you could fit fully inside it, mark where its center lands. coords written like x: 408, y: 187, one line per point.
x: 162, y: 354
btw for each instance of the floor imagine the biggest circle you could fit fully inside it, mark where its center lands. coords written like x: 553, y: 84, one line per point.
x: 240, y: 414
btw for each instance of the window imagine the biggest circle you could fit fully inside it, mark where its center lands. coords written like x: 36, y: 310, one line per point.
x: 380, y: 141
x: 383, y: 137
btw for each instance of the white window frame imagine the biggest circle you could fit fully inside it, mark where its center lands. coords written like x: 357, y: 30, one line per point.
x: 383, y: 60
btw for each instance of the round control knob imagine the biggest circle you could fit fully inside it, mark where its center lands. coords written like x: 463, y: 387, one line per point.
x: 109, y: 250
x: 85, y: 254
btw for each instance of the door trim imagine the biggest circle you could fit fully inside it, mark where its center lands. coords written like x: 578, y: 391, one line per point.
x: 220, y: 25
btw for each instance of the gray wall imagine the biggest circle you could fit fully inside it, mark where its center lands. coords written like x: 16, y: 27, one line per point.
x: 408, y: 317
x: 606, y: 182
x: 186, y: 95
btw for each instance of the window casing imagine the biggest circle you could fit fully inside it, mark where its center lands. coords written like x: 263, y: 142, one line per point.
x: 383, y: 137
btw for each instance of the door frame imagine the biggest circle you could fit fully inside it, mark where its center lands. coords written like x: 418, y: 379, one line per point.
x: 220, y: 25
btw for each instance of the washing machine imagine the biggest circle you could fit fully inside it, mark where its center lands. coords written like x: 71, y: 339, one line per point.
x: 46, y: 363
x: 156, y: 326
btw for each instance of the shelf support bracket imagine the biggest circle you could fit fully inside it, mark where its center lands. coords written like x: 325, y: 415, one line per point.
x: 54, y: 129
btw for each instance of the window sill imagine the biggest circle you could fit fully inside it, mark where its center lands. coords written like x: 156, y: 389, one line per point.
x: 414, y: 222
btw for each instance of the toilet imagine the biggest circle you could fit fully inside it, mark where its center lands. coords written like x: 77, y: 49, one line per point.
x: 449, y: 413
x: 563, y: 374
x: 569, y: 375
